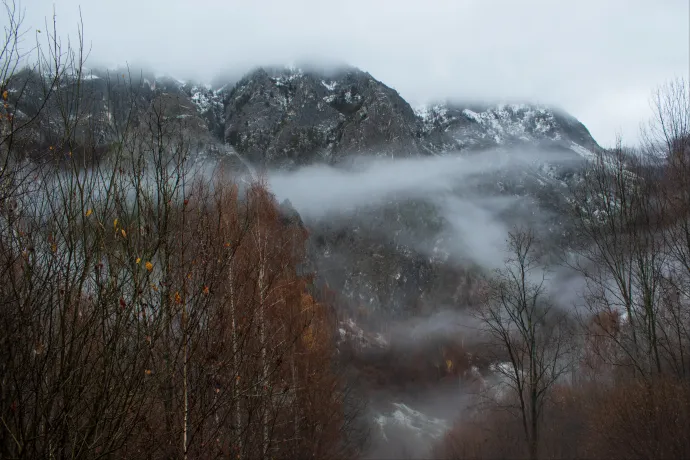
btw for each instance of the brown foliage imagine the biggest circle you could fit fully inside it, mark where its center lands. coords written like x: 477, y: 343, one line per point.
x: 640, y: 420
x: 151, y: 313
x: 630, y: 420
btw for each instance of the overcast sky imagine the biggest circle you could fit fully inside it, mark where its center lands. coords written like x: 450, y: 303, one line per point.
x: 598, y: 59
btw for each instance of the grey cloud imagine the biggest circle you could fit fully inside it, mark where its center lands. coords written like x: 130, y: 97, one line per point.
x: 477, y: 229
x: 320, y: 190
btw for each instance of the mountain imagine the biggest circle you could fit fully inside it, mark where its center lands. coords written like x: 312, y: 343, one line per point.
x: 420, y: 248
x: 390, y: 257
x: 291, y: 117
x: 287, y: 117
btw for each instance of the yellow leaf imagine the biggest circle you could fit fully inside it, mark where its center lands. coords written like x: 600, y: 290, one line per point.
x: 449, y: 364
x: 89, y: 212
x: 115, y: 223
x: 4, y: 95
x: 178, y: 298
x: 308, y: 338
x: 138, y: 260
x: 307, y: 301
x: 51, y: 147
x: 124, y: 233
x: 149, y: 266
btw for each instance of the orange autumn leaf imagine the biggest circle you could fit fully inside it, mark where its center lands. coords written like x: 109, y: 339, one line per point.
x: 5, y: 95
x: 147, y: 372
x: 178, y: 298
x: 149, y: 266
x: 124, y: 233
x: 205, y: 290
x: 138, y: 260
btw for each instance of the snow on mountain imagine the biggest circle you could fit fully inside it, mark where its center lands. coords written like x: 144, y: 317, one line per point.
x: 404, y: 432
x: 471, y: 127
x: 330, y: 86
x: 419, y: 424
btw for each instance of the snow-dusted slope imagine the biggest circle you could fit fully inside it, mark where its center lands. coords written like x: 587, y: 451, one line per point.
x: 471, y: 127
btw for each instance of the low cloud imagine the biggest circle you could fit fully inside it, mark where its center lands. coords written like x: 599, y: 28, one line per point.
x: 476, y: 225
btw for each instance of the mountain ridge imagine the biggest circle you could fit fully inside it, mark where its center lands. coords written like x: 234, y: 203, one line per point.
x: 290, y: 117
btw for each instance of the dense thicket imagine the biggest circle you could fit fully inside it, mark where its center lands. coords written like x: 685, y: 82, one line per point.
x: 150, y: 307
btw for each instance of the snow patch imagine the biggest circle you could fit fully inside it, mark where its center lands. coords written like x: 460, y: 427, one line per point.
x: 419, y: 424
x: 330, y: 86
x: 515, y: 121
x: 586, y: 153
x: 350, y: 98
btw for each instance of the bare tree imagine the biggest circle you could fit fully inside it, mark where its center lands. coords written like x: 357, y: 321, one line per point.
x: 527, y: 332
x: 620, y: 222
x: 668, y: 138
x: 631, y: 215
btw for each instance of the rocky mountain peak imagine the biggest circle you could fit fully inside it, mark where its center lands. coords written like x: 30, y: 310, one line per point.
x: 292, y: 116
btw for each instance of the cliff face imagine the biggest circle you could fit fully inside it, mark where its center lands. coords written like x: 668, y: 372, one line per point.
x: 291, y: 118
